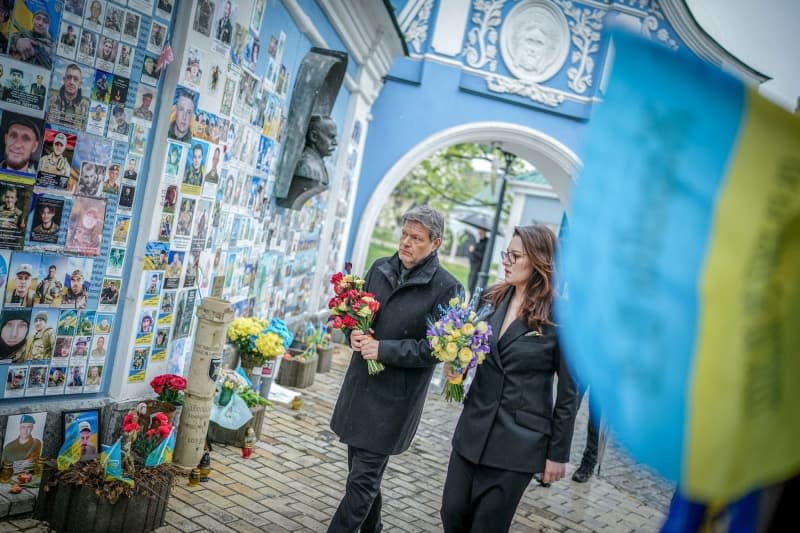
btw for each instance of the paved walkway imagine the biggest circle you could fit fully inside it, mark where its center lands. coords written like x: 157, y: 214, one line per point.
x: 295, y: 479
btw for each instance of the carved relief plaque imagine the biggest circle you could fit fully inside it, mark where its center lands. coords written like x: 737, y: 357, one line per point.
x: 534, y: 40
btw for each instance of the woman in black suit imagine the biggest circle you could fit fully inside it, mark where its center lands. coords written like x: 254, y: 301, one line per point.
x: 510, y: 428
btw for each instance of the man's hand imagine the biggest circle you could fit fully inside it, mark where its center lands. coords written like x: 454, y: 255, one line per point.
x: 369, y: 348
x: 357, y: 337
x: 553, y: 471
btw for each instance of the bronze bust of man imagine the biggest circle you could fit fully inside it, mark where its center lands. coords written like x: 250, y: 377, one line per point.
x: 320, y: 143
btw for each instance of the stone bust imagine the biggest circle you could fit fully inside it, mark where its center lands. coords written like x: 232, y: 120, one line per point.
x: 320, y: 143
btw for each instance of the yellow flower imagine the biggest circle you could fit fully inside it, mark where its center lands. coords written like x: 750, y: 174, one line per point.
x: 447, y: 356
x: 435, y: 342
x: 452, y: 348
x: 453, y: 302
x: 464, y: 356
x: 468, y: 329
x: 481, y: 326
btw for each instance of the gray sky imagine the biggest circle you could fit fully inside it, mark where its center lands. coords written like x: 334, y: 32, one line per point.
x: 764, y: 34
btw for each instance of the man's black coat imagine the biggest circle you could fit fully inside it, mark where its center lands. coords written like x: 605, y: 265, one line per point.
x: 381, y: 413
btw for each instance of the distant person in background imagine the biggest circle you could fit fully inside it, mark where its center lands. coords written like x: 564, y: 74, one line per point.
x: 476, y: 252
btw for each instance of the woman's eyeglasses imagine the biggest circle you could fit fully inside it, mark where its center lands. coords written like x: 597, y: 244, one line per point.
x: 511, y: 257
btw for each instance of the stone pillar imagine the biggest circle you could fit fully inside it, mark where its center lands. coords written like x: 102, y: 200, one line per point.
x: 214, y: 316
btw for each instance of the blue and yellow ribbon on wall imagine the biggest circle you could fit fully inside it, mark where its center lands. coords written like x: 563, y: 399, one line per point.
x: 683, y: 273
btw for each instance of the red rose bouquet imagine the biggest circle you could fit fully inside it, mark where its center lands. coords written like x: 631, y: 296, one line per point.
x: 353, y: 308
x: 169, y: 388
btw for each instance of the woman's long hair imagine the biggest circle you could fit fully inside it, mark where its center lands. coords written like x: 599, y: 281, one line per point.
x: 539, y: 243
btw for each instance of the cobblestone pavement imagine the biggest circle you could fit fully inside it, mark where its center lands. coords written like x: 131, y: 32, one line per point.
x: 295, y: 479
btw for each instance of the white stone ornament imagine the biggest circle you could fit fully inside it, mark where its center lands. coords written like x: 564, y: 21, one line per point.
x: 534, y: 40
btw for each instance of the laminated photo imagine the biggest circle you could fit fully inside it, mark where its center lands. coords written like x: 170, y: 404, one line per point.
x: 15, y: 203
x: 46, y: 223
x: 80, y: 348
x: 75, y: 377
x: 103, y: 323
x: 119, y: 233
x: 22, y: 445
x: 155, y: 256
x: 165, y: 228
x: 145, y: 327
x: 172, y: 275
x: 111, y: 183
x: 174, y: 159
x: 143, y: 107
x: 130, y: 29
x: 150, y: 74
x: 93, y: 15
x: 55, y: 165
x: 106, y: 54
x: 94, y: 377
x: 114, y: 19
x: 85, y: 229
x: 24, y: 87
x: 14, y: 326
x: 67, y: 327
x: 87, y: 47
x: 99, y: 347
x: 42, y: 335
x: 203, y: 15
x: 96, y: 122
x: 32, y: 33
x: 120, y: 123
x: 158, y: 34
x: 125, y: 58
x: 164, y: 9
x: 101, y: 89
x: 20, y: 145
x: 37, y: 380
x: 138, y: 365
x: 139, y: 139
x: 109, y: 293
x: 160, y: 340
x: 116, y: 261
x: 181, y: 117
x: 126, y: 197
x: 91, y: 179
x: 194, y: 171
x: 119, y: 90
x: 193, y: 72
x: 131, y: 169
x: 56, y: 380
x: 70, y: 89
x: 73, y: 11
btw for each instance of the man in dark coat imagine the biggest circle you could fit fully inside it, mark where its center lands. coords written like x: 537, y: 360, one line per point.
x: 377, y: 415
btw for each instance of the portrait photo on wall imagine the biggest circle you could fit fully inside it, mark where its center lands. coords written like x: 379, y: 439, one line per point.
x: 46, y: 223
x: 49, y: 273
x: 165, y: 227
x: 119, y: 123
x: 130, y: 29
x: 56, y: 380
x: 15, y: 203
x: 138, y: 366
x: 181, y: 117
x: 93, y: 15
x: 20, y: 143
x: 125, y: 58
x: 70, y: 89
x: 23, y: 87
x: 114, y: 19
x: 122, y: 226
x: 126, y: 197
x: 81, y: 435
x: 85, y: 227
x: 90, y: 179
x: 172, y: 166
x: 73, y: 11
x: 14, y: 326
x: 150, y: 72
x: 67, y: 325
x: 41, y: 335
x: 22, y: 445
x: 109, y: 293
x: 106, y: 54
x: 99, y: 347
x: 37, y: 380
x: 158, y: 34
x: 111, y: 183
x: 87, y: 47
x: 195, y: 168
x: 32, y: 33
x: 55, y: 165
x: 116, y: 261
x: 96, y: 121
x: 193, y: 71
x: 143, y: 106
x: 94, y: 377
x: 164, y: 9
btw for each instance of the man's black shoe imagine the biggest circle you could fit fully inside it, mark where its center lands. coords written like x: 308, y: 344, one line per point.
x: 583, y: 473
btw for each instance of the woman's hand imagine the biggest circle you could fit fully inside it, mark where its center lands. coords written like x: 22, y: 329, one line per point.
x: 553, y: 471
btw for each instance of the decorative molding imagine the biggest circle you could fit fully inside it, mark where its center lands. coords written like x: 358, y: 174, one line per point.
x: 652, y: 21
x: 482, y: 39
x: 417, y: 31
x: 529, y: 89
x: 535, y: 40
x: 585, y: 26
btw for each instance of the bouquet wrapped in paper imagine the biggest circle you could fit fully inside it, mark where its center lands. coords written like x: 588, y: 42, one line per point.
x: 353, y: 308
x: 460, y: 338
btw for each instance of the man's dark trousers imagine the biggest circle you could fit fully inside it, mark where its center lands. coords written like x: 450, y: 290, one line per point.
x: 360, y: 509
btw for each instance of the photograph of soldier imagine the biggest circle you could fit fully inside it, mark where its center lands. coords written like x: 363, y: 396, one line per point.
x: 131, y: 172
x: 204, y: 12
x: 165, y: 228
x: 81, y: 347
x: 14, y: 324
x: 106, y: 54
x: 223, y: 27
x: 69, y: 101
x: 124, y: 58
x: 119, y: 126
x: 77, y: 293
x: 174, y: 155
x: 103, y: 323
x: 85, y: 227
x: 75, y: 379
x: 46, y: 219
x: 150, y: 74
x: 126, y: 196
x: 164, y: 9
x: 109, y: 294
x: 37, y: 379
x: 184, y: 224
x: 91, y: 179
x: 22, y: 445
x: 63, y: 347
x: 15, y: 200
x: 73, y: 10
x: 142, y: 109
x: 55, y: 165
x: 86, y: 323
x: 41, y: 339
x: 96, y: 123
x: 101, y: 91
x: 30, y: 40
x: 20, y: 143
x: 50, y: 289
x: 99, y: 348
x: 116, y: 260
x: 112, y: 25
x: 94, y: 375
x: 155, y: 42
x: 68, y: 40
x: 122, y: 225
x: 111, y: 184
x: 94, y: 15
x: 67, y: 325
x: 130, y: 30
x: 182, y: 115
x: 87, y: 46
x: 56, y: 379
x: 195, y: 168
x: 139, y: 139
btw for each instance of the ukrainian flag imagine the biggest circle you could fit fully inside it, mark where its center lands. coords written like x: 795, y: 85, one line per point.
x: 683, y: 271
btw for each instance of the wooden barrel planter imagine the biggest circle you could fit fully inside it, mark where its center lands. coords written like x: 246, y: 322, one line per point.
x: 297, y: 373
x: 77, y: 508
x: 324, y: 358
x: 235, y: 437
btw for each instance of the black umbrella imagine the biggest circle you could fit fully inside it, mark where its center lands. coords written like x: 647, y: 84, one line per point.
x: 478, y: 220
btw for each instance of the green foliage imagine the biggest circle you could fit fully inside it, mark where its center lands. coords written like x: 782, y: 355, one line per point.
x: 252, y: 398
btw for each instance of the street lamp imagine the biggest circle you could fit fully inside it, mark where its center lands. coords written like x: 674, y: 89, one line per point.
x: 483, y: 276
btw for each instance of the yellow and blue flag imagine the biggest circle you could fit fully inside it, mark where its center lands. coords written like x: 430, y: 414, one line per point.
x: 163, y: 452
x: 111, y: 459
x: 683, y: 273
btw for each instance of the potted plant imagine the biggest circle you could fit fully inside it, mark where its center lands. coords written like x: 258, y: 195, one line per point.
x: 231, y: 383
x: 127, y: 489
x: 259, y: 345
x: 298, y: 367
x: 322, y: 338
x: 169, y: 388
